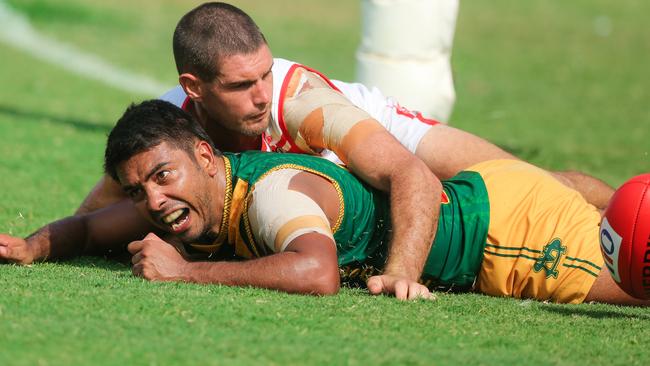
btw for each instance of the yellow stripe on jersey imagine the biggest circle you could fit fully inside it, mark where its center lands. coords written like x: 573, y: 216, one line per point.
x: 238, y: 203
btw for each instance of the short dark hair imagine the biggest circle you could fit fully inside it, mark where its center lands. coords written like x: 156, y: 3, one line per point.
x: 148, y: 124
x: 210, y: 32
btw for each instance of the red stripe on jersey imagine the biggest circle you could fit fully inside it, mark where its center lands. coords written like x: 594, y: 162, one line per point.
x: 285, y: 133
x: 286, y: 137
x: 407, y: 113
x: 266, y: 146
x: 328, y: 81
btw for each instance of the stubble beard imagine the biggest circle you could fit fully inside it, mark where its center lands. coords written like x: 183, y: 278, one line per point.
x: 254, y: 130
x: 207, y: 235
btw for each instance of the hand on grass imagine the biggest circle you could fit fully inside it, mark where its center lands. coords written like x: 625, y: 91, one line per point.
x: 156, y: 260
x: 15, y: 250
x: 402, y: 288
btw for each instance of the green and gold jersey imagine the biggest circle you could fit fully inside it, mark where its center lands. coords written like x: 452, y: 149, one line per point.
x: 363, y: 229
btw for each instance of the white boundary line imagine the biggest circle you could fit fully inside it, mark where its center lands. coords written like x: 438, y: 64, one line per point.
x: 16, y: 31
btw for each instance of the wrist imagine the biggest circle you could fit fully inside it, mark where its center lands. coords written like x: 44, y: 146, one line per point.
x: 187, y: 271
x: 401, y: 271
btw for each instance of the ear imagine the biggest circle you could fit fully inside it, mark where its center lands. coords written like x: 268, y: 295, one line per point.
x: 192, y: 85
x: 205, y: 157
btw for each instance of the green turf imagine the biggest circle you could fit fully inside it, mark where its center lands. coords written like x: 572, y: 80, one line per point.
x: 540, y: 78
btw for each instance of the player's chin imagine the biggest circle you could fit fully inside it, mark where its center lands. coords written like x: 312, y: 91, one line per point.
x: 189, y: 236
x: 254, y: 129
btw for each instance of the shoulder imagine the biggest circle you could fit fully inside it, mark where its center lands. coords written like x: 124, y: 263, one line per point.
x: 278, y: 214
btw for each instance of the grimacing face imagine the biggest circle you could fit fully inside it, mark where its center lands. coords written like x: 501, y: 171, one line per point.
x: 170, y: 190
x: 240, y: 97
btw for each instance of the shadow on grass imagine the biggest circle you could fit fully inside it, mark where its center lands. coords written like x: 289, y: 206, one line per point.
x: 588, y: 311
x: 108, y: 264
x: 34, y: 116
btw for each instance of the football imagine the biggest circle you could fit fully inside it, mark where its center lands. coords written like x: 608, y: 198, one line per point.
x: 625, y: 236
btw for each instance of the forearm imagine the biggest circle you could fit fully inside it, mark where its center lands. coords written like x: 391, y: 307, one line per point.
x: 595, y: 191
x: 103, y: 232
x: 61, y: 239
x: 414, y: 196
x: 278, y: 272
x: 415, y: 206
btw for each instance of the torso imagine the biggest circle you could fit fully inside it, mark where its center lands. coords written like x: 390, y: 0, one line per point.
x: 362, y: 227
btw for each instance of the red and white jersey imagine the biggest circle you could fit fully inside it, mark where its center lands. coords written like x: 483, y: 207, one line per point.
x: 408, y: 127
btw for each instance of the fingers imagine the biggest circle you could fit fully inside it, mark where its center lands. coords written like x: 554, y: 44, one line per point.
x: 403, y: 289
x: 137, y: 258
x: 411, y: 290
x: 138, y: 270
x: 375, y: 285
x: 419, y: 291
x: 135, y: 246
x: 14, y: 250
x: 151, y: 236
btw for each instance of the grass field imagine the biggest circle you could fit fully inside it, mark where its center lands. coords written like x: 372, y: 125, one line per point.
x: 562, y: 84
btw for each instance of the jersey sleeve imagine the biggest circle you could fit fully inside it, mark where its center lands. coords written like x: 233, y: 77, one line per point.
x: 278, y: 214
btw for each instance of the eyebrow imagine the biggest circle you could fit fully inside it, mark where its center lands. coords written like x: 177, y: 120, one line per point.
x: 153, y: 171
x: 236, y: 82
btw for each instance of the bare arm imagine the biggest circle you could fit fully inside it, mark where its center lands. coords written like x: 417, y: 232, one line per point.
x: 105, y: 193
x: 415, y: 205
x: 307, y: 266
x: 103, y: 232
x: 440, y: 151
x: 319, y: 118
x: 594, y: 190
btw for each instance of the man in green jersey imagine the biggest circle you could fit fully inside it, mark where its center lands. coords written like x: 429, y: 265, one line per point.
x: 301, y: 224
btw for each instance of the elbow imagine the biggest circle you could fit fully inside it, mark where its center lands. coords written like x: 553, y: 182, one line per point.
x: 320, y: 279
x: 326, y: 285
x: 412, y: 167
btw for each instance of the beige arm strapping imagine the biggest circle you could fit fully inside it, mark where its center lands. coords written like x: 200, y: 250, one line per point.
x: 318, y: 116
x: 278, y: 214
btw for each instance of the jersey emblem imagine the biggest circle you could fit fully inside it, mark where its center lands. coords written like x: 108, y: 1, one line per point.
x: 551, y: 255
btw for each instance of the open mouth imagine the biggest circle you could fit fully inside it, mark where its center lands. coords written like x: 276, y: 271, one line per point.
x: 177, y: 220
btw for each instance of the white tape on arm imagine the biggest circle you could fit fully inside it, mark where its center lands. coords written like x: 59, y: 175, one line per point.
x: 278, y: 214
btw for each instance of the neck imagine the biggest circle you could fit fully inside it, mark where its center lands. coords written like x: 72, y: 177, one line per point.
x: 225, y: 139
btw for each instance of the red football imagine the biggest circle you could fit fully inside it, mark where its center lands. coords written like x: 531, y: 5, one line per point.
x: 625, y: 236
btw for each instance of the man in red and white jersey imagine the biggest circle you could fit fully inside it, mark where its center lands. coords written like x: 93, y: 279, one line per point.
x: 290, y: 86
x: 247, y: 100
x: 406, y: 126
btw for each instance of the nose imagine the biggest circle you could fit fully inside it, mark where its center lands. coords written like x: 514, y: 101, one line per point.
x: 261, y: 93
x: 155, y: 199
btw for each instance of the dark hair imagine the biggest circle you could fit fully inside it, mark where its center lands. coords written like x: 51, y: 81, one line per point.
x: 148, y: 124
x: 210, y: 32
